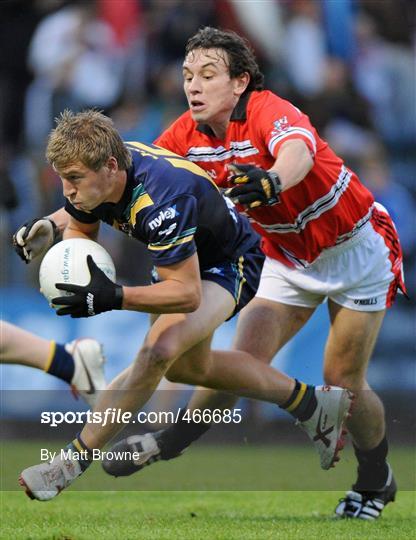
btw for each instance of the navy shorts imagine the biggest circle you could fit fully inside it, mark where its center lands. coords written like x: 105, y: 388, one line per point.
x: 240, y: 277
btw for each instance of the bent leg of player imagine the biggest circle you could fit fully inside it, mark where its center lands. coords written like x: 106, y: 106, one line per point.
x: 168, y: 338
x: 79, y: 363
x: 356, y: 314
x: 305, y: 402
x: 239, y: 373
x: 349, y: 348
x: 172, y: 441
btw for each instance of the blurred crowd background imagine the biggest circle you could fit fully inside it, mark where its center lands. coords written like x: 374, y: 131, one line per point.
x: 348, y: 64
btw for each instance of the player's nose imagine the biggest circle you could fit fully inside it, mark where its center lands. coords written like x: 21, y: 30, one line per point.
x: 68, y: 188
x: 194, y: 86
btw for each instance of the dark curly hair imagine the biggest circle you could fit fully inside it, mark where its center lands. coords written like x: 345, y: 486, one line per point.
x: 240, y: 53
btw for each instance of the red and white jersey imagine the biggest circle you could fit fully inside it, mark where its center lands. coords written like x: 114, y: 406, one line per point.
x: 324, y: 209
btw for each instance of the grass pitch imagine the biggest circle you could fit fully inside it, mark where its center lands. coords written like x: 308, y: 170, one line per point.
x: 226, y: 493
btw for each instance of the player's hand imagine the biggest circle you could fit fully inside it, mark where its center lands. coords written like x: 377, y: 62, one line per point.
x: 34, y: 238
x: 100, y: 295
x: 253, y: 186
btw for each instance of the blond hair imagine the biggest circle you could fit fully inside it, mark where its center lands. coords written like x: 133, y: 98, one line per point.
x: 89, y: 137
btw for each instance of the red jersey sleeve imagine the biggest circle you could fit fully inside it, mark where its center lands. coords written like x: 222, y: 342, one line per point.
x: 278, y: 121
x: 173, y: 138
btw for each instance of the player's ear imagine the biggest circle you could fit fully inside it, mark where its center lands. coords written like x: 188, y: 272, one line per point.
x: 112, y: 164
x: 241, y: 83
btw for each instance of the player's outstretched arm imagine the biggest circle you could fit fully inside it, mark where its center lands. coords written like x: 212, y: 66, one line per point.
x: 178, y: 291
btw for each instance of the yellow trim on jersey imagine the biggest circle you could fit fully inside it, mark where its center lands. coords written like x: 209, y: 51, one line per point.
x: 182, y: 163
x: 299, y: 397
x: 168, y: 246
x: 51, y: 354
x: 177, y: 161
x: 155, y: 151
x: 143, y: 201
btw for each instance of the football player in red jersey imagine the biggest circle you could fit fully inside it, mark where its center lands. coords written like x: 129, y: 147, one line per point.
x: 324, y: 236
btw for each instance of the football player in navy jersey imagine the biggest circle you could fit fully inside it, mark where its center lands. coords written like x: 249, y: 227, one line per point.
x: 207, y: 267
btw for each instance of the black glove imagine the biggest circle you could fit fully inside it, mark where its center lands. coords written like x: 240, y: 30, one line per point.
x: 100, y: 295
x: 254, y: 186
x: 34, y: 238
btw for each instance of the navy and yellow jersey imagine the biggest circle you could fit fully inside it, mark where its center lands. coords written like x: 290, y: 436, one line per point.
x: 174, y: 207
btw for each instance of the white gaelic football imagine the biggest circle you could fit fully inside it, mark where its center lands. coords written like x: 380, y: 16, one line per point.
x: 66, y: 262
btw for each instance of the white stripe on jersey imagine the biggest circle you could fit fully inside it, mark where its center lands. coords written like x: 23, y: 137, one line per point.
x: 315, y: 210
x: 209, y: 153
x: 302, y: 263
x: 360, y: 223
x: 298, y: 263
x: 292, y: 131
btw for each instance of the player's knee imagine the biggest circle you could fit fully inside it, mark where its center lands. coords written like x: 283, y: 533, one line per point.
x: 178, y: 375
x: 345, y: 377
x: 195, y: 374
x: 174, y: 375
x: 156, y: 357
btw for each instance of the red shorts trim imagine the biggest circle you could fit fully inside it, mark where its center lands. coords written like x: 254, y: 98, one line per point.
x: 384, y: 226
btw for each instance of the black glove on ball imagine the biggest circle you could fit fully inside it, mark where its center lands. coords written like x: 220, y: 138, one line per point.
x: 100, y: 295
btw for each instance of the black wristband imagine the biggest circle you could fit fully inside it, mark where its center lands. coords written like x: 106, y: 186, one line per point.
x: 56, y: 231
x: 277, y: 184
x: 118, y: 298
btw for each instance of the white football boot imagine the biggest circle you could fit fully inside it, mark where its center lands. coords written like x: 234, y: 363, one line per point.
x: 326, y: 426
x: 46, y: 480
x: 88, y: 378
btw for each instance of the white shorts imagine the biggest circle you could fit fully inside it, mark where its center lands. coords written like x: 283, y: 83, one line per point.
x: 363, y: 273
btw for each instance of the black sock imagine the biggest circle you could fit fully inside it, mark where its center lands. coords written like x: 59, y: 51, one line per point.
x: 302, y: 403
x: 180, y: 435
x: 61, y: 364
x: 372, y: 467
